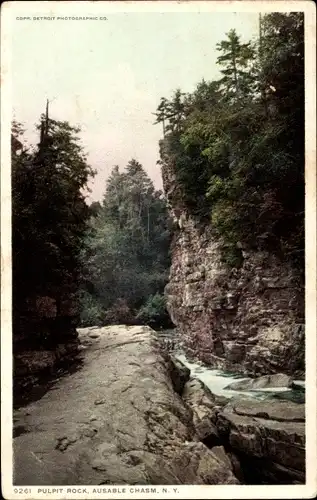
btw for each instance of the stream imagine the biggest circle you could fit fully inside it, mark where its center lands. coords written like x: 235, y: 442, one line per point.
x: 218, y: 380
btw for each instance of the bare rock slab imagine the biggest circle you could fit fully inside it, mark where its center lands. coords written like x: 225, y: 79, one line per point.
x: 117, y: 420
x: 202, y: 402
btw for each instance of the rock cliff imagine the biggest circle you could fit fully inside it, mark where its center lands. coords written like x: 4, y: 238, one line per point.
x: 248, y: 319
x: 44, y: 335
x: 267, y: 437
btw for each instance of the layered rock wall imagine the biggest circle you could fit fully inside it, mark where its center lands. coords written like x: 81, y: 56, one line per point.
x: 45, y: 334
x: 249, y: 319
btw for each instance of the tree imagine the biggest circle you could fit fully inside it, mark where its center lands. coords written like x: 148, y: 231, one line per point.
x: 49, y: 213
x: 239, y: 153
x: 114, y: 197
x: 95, y: 208
x: 127, y: 248
x: 171, y: 113
x: 236, y: 62
x: 176, y: 111
x: 162, y: 113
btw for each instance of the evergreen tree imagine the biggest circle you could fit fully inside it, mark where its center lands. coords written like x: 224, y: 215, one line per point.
x: 236, y: 66
x: 162, y: 113
x: 126, y: 257
x: 176, y: 111
x: 49, y: 213
x: 239, y: 156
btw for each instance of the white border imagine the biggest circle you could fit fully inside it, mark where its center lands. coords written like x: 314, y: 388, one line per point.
x: 70, y: 8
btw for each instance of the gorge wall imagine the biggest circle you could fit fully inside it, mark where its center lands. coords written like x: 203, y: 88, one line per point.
x: 248, y: 320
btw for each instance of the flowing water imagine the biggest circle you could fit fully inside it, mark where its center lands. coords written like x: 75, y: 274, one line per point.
x: 218, y: 380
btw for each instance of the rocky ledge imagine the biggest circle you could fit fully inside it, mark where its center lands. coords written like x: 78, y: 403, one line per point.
x: 132, y: 415
x: 246, y: 316
x: 264, y: 441
x: 118, y: 420
x: 268, y: 438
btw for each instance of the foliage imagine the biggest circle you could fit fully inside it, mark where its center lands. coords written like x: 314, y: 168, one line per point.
x: 49, y: 212
x: 120, y: 312
x: 236, y: 62
x: 95, y: 208
x: 91, y: 313
x: 153, y: 312
x: 126, y: 255
x: 238, y: 148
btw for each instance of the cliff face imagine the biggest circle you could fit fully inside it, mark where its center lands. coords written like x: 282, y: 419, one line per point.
x: 44, y: 335
x: 249, y: 319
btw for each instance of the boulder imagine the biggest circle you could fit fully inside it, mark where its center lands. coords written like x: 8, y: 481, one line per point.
x: 268, y: 438
x: 220, y: 452
x: 236, y: 466
x: 213, y: 468
x: 298, y: 385
x: 117, y: 420
x: 264, y: 382
x: 179, y: 374
x: 202, y: 402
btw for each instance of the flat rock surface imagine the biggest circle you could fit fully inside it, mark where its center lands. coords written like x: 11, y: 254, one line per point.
x: 282, y: 411
x: 117, y: 420
x: 272, y: 432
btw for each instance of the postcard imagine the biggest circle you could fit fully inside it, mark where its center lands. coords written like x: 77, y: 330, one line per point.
x: 158, y: 249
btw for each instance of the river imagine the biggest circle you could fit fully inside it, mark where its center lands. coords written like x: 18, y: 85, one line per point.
x: 218, y: 380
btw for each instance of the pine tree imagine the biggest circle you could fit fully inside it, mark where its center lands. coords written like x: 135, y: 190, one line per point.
x: 162, y: 113
x: 49, y: 214
x: 236, y: 62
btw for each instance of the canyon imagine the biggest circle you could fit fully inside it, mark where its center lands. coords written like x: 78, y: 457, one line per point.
x: 143, y: 415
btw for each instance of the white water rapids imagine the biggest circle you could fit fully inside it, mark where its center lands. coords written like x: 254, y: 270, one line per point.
x: 218, y: 380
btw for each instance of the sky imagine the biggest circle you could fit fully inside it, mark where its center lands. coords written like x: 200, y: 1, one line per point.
x: 108, y: 76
